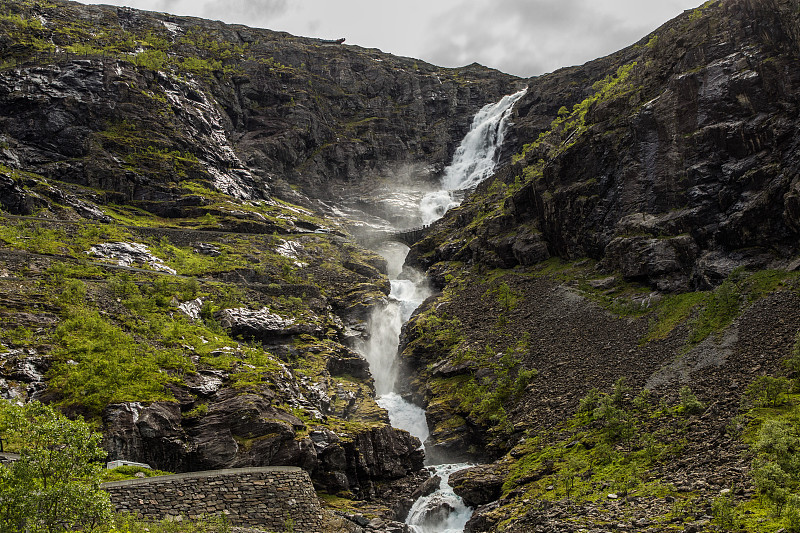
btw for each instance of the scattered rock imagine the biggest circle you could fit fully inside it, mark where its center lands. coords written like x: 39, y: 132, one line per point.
x: 191, y: 308
x: 207, y: 249
x: 262, y: 324
x: 128, y: 254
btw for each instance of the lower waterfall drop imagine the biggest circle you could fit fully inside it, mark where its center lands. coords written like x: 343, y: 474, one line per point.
x: 442, y: 511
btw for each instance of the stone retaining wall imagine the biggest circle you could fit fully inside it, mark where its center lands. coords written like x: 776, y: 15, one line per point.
x: 277, y: 498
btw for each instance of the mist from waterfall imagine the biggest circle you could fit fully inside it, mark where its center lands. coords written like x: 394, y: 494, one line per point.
x: 474, y: 160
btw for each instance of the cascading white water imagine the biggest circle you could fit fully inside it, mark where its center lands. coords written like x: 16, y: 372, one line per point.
x: 384, y: 327
x: 443, y: 511
x: 474, y: 160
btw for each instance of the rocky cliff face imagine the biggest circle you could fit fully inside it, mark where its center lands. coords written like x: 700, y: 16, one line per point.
x: 166, y: 268
x: 117, y: 99
x: 672, y: 161
x: 643, y: 226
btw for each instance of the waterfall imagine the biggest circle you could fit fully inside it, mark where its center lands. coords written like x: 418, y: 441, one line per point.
x: 474, y: 160
x: 443, y: 511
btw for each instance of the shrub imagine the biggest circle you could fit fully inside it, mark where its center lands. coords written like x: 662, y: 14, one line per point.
x: 99, y: 363
x: 776, y: 469
x: 768, y: 391
x: 769, y: 478
x: 151, y: 59
x: 642, y: 401
x: 792, y: 363
x: 793, y: 514
x: 619, y: 391
x: 618, y: 424
x: 590, y: 402
x: 779, y: 441
x: 690, y: 405
x: 507, y: 297
x: 724, y: 512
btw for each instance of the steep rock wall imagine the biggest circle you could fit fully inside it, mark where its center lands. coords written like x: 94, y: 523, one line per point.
x: 672, y: 161
x: 247, y: 109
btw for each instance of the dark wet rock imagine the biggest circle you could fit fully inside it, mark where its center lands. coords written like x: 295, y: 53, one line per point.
x: 446, y: 368
x: 13, y: 197
x: 481, y: 519
x: 380, y: 453
x: 146, y: 434
x: 354, y: 366
x: 478, y: 485
x: 669, y: 260
x: 530, y: 248
x: 245, y: 430
x: 429, y: 487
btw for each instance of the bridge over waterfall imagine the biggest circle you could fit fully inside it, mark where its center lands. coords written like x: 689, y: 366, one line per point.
x: 409, y: 236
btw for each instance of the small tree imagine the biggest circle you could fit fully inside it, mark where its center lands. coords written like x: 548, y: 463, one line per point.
x: 767, y: 391
x: 792, y: 363
x: 724, y: 511
x: 54, y: 486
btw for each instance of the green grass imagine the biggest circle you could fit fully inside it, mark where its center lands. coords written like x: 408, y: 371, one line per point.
x: 121, y: 473
x: 673, y: 311
x: 585, y: 458
x: 97, y: 363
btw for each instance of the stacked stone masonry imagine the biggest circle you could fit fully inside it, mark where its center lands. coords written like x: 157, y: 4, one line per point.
x: 272, y: 498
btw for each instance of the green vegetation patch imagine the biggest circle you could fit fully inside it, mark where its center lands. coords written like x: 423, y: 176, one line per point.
x: 121, y: 473
x: 98, y: 363
x: 612, y: 445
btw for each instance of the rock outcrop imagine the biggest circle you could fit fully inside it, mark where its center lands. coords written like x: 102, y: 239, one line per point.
x: 672, y: 161
x: 248, y: 111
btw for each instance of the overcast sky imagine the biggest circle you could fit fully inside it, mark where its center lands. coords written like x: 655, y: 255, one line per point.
x: 522, y: 37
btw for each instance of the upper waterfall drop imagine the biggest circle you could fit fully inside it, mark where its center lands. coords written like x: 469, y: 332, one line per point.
x: 475, y: 158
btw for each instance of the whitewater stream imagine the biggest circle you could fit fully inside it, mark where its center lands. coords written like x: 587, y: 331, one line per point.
x: 474, y: 160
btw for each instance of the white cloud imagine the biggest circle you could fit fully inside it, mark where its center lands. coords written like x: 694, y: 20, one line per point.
x: 523, y: 37
x: 528, y: 37
x: 253, y: 12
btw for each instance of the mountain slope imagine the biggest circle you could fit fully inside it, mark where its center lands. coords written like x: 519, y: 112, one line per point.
x: 644, y: 226
x: 166, y: 264
x: 176, y: 261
